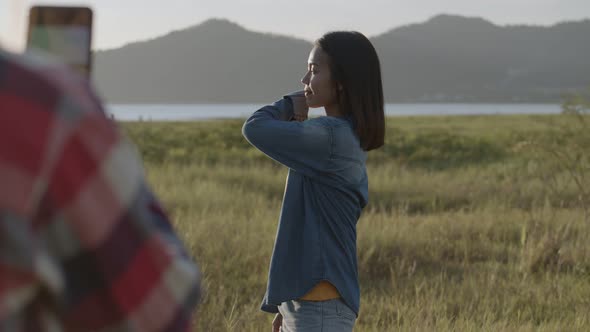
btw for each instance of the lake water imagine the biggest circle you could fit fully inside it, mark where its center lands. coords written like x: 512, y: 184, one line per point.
x: 241, y: 111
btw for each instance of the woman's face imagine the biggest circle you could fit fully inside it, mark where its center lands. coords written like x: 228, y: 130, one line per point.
x: 319, y: 89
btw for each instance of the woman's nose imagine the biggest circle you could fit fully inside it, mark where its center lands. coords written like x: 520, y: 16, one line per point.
x: 305, y: 79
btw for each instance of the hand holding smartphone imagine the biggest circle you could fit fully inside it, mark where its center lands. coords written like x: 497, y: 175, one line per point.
x: 64, y: 33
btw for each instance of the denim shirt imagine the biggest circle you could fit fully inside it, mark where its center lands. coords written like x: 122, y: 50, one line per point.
x: 326, y: 190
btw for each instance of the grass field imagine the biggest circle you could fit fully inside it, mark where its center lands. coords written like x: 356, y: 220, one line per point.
x: 471, y: 226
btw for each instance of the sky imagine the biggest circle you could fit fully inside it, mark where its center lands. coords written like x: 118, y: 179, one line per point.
x: 118, y: 22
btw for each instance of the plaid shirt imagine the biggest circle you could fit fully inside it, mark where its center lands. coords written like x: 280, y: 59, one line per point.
x: 84, y: 245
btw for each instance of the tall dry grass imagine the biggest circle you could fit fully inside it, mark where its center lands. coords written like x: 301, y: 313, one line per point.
x: 460, y: 236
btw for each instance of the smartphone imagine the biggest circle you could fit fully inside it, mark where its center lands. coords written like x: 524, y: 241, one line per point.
x: 64, y: 33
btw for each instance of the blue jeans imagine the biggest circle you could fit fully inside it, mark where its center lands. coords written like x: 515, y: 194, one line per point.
x: 322, y: 316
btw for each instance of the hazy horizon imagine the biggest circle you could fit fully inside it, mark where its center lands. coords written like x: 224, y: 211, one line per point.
x: 117, y: 23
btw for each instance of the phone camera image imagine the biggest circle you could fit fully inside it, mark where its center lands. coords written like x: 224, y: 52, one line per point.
x: 63, y: 33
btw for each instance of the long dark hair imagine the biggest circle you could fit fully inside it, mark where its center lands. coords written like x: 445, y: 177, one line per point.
x: 357, y: 74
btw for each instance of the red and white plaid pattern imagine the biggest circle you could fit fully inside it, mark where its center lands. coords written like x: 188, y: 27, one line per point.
x: 84, y: 245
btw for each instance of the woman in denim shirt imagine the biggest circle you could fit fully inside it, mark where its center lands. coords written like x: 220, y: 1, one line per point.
x: 313, y: 278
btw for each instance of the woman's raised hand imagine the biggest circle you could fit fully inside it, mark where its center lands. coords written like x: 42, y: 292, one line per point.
x: 300, y: 108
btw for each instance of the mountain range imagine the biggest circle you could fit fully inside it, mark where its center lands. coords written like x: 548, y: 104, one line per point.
x: 445, y: 59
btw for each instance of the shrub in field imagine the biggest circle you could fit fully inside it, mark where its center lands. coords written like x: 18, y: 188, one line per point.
x: 561, y: 156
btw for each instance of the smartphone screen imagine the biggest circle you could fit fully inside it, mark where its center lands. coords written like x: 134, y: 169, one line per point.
x: 64, y: 33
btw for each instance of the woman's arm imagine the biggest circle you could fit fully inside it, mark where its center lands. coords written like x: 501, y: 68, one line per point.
x: 302, y: 146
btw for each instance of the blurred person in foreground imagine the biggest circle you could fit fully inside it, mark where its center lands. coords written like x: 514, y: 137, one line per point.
x: 313, y: 279
x: 84, y: 244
